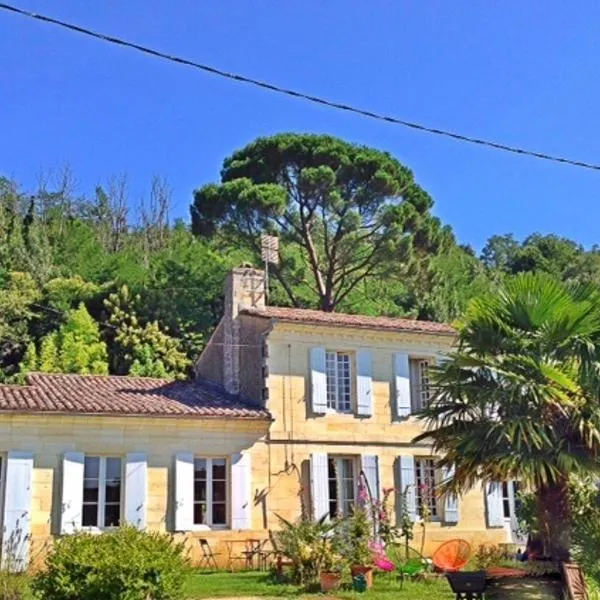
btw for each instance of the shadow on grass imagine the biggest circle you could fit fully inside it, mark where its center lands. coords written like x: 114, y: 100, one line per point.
x: 525, y: 588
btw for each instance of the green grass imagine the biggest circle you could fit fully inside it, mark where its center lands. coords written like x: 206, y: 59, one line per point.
x: 250, y: 584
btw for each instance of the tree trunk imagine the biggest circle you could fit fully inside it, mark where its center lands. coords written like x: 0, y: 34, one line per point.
x: 555, y: 519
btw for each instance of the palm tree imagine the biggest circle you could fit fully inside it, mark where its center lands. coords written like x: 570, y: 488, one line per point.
x: 519, y: 398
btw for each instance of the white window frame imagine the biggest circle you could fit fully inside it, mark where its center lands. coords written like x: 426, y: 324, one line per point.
x: 339, y: 481
x: 422, y: 465
x: 3, y: 463
x: 334, y: 404
x: 209, y: 525
x: 102, y: 493
x: 509, y: 495
x: 420, y: 381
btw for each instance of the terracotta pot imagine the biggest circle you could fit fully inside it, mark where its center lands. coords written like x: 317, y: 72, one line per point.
x: 330, y: 581
x: 366, y: 572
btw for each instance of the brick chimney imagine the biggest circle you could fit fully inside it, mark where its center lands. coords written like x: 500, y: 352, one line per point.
x: 244, y: 286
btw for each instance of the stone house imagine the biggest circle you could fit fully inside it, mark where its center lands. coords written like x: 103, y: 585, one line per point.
x: 290, y: 408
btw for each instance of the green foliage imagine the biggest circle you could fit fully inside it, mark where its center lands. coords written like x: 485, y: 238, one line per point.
x: 355, y: 534
x: 126, y: 564
x: 519, y: 398
x: 13, y: 586
x: 305, y: 543
x: 344, y: 213
x: 75, y: 348
x: 141, y: 349
x: 488, y: 556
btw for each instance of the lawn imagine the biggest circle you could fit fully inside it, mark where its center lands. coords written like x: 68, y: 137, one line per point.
x: 260, y: 585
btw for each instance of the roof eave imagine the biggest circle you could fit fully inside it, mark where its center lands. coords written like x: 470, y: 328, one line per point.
x: 348, y: 326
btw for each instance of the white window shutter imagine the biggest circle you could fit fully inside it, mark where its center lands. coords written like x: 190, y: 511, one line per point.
x: 72, y: 492
x: 402, y: 385
x: 493, y: 499
x: 241, y: 491
x: 318, y: 380
x: 184, y: 491
x: 450, y: 499
x: 405, y: 466
x: 370, y: 468
x: 17, y: 510
x: 319, y: 484
x: 136, y: 489
x: 364, y: 391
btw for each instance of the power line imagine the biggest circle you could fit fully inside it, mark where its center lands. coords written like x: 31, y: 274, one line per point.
x: 289, y: 92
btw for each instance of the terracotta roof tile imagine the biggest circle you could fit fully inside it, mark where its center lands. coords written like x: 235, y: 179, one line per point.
x: 317, y: 317
x: 112, y: 395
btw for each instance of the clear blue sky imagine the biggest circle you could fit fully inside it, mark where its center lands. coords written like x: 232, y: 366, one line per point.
x: 524, y: 73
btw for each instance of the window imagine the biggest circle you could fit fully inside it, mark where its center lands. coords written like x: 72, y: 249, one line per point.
x: 420, y: 383
x: 510, y: 499
x: 101, y: 492
x: 342, y: 485
x: 339, y: 381
x: 210, y: 491
x: 425, y: 479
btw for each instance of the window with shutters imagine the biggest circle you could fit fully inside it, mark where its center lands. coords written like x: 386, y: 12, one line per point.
x: 426, y: 479
x: 510, y: 499
x: 339, y: 381
x: 210, y: 492
x: 420, y: 383
x: 102, y: 479
x: 343, y: 485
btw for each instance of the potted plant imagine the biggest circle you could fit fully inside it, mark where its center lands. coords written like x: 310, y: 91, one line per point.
x: 331, y: 566
x: 355, y: 539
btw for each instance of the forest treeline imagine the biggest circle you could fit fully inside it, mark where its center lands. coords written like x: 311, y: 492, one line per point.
x: 98, y: 283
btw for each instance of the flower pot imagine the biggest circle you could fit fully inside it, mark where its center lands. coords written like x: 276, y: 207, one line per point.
x: 366, y: 572
x: 330, y: 581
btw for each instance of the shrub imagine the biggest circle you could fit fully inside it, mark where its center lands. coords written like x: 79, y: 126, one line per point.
x: 303, y: 543
x: 13, y: 586
x: 354, y: 535
x: 488, y: 556
x: 126, y: 564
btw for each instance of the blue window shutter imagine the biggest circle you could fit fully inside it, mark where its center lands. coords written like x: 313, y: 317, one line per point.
x: 241, y: 491
x: 370, y: 468
x: 72, y: 492
x: 319, y: 484
x: 364, y: 391
x: 184, y: 491
x: 450, y: 499
x: 136, y: 489
x: 402, y: 385
x: 407, y: 481
x: 318, y: 380
x: 493, y: 499
x: 17, y: 511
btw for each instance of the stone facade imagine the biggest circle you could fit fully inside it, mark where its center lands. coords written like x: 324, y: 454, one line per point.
x: 268, y: 361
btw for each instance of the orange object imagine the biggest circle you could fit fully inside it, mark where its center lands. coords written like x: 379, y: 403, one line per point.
x: 452, y: 556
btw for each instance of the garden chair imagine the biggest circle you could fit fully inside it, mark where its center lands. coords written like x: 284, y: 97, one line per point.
x: 208, y: 559
x: 281, y: 561
x: 409, y: 562
x: 452, y: 556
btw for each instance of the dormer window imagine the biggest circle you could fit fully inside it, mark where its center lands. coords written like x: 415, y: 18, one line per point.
x: 339, y: 381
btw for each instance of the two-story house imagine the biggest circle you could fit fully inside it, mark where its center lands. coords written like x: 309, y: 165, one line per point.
x: 290, y: 407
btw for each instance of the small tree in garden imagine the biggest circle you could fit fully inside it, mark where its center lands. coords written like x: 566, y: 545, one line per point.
x: 519, y: 398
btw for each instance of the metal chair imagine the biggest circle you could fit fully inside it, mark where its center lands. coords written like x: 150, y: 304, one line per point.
x: 409, y: 562
x: 452, y: 556
x: 209, y: 558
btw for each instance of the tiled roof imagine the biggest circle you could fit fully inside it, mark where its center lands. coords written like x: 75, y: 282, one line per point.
x: 317, y: 317
x: 112, y: 395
